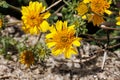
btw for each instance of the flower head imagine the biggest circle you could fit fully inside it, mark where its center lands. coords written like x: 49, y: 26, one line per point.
x: 118, y: 21
x: 34, y: 21
x: 1, y: 22
x: 62, y: 39
x: 27, y: 58
x: 82, y: 9
x: 96, y: 19
x: 99, y: 6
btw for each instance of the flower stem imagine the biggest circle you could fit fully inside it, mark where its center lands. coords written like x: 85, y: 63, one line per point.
x: 39, y: 37
x: 13, y: 7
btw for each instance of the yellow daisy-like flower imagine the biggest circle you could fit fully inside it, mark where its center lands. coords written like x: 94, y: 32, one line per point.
x: 27, y: 58
x: 34, y: 21
x: 118, y: 21
x: 99, y: 6
x: 1, y: 22
x: 62, y: 39
x: 96, y: 19
x: 82, y: 9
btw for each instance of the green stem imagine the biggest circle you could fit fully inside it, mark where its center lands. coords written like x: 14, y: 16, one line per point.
x: 66, y: 2
x: 38, y: 39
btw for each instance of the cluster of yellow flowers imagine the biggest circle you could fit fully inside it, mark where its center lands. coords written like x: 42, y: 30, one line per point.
x: 94, y: 10
x: 61, y: 38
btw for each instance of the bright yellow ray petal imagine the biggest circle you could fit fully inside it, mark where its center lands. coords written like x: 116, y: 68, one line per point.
x: 59, y: 25
x: 118, y: 23
x: 34, y: 30
x: 73, y: 50
x: 67, y: 54
x: 49, y: 35
x: 108, y: 12
x: 86, y: 1
x: 44, y: 26
x: 47, y: 14
x: 76, y: 43
x: 51, y: 44
x: 56, y: 52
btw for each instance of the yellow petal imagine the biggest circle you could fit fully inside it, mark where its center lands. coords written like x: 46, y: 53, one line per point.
x: 34, y: 30
x: 44, y: 26
x: 59, y: 25
x: 84, y: 17
x: 46, y: 15
x: 64, y: 25
x: 71, y: 28
x: 73, y: 50
x: 108, y: 12
x: 110, y: 2
x: 51, y: 44
x: 50, y: 35
x: 56, y: 52
x: 118, y: 18
x: 118, y: 23
x: 76, y: 43
x: 52, y: 29
x: 67, y: 54
x: 90, y: 17
x: 86, y: 1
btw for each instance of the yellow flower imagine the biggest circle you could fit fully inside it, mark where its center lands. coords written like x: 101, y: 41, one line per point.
x: 82, y: 8
x: 33, y: 20
x: 62, y: 39
x: 27, y: 58
x: 1, y: 23
x: 99, y: 6
x: 118, y: 21
x: 96, y: 19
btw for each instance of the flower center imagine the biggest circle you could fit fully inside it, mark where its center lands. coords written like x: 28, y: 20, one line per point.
x: 99, y: 6
x: 64, y: 39
x: 35, y: 20
x: 32, y: 18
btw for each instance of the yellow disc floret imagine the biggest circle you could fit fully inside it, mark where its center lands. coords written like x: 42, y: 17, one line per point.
x: 27, y: 58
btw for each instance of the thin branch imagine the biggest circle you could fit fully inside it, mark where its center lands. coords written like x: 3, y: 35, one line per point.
x: 105, y: 38
x: 38, y: 39
x: 58, y: 9
x: 88, y: 37
x: 84, y: 59
x: 114, y: 46
x: 18, y: 9
x: 13, y: 7
x: 109, y: 28
x: 57, y: 2
x: 104, y: 59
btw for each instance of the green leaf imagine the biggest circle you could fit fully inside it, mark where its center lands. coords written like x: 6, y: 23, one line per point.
x: 3, y: 4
